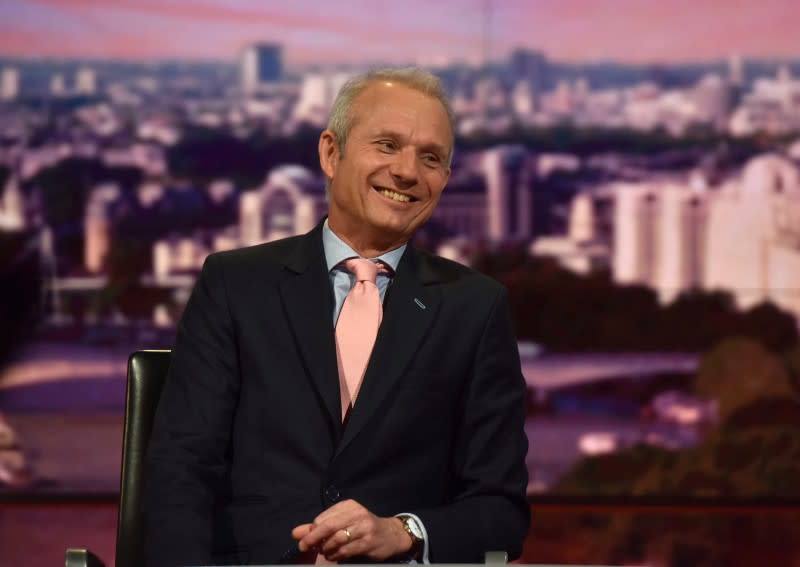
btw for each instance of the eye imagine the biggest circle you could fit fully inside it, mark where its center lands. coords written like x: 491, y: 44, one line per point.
x: 386, y: 145
x: 431, y: 159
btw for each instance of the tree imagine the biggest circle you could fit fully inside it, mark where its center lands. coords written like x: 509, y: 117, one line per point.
x: 738, y: 372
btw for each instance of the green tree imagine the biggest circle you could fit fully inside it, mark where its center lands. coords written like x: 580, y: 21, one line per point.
x: 738, y: 372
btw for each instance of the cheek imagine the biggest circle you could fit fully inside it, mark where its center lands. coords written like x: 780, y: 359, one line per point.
x: 366, y: 176
x: 436, y: 185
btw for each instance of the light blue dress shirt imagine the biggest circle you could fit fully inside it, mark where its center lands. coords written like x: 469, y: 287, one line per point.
x: 336, y: 251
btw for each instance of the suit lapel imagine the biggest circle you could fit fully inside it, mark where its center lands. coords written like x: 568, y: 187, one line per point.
x: 308, y: 299
x: 410, y: 308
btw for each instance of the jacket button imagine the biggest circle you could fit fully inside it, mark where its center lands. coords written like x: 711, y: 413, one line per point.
x: 332, y: 493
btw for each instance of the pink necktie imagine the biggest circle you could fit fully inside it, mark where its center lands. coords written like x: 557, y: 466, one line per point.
x: 357, y: 328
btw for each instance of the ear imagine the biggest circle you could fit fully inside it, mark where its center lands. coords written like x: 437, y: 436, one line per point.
x: 328, y: 153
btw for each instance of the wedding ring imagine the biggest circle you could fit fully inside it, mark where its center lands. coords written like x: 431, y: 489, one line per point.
x: 347, y: 533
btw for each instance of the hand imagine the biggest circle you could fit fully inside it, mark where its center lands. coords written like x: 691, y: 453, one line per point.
x: 348, y: 529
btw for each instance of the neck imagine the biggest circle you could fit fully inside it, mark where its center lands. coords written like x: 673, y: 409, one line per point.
x: 363, y: 244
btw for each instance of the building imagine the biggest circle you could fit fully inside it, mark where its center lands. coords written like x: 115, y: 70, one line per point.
x: 86, y: 81
x: 523, y: 100
x: 291, y: 201
x: 150, y: 158
x: 741, y: 237
x: 174, y: 257
x: 97, y: 226
x: 714, y: 99
x: 736, y: 71
x: 317, y: 93
x: 753, y: 247
x: 773, y: 106
x: 509, y: 206
x: 583, y: 249
x: 529, y: 73
x: 659, y: 236
x: 461, y: 211
x: 9, y: 83
x: 635, y: 210
x: 12, y: 207
x: 58, y: 85
x: 681, y: 239
x: 260, y: 64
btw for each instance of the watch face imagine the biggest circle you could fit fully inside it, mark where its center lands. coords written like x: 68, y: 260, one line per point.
x: 413, y: 527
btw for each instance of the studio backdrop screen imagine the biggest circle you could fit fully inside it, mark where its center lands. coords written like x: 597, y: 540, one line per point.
x: 629, y: 169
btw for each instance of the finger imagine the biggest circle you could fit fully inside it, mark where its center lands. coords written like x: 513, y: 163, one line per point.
x: 345, y: 552
x: 362, y: 537
x: 340, y: 538
x: 352, y: 548
x: 335, y: 518
x: 372, y: 539
x: 301, y: 531
x: 317, y: 535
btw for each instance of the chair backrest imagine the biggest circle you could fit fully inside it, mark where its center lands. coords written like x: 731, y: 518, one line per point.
x: 147, y: 372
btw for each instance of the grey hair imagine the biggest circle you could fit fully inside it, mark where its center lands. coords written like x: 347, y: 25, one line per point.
x: 341, y: 117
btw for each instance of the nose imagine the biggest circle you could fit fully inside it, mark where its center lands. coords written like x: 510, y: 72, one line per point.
x: 404, y: 168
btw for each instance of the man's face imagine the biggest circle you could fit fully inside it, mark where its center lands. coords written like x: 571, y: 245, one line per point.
x: 387, y: 180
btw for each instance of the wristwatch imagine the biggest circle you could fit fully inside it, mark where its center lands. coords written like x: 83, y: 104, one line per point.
x: 416, y: 534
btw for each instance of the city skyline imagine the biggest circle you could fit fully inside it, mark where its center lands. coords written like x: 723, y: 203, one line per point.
x: 639, y: 216
x: 356, y: 32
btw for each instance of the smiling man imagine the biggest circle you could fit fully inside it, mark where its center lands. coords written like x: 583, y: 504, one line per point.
x: 340, y: 396
x: 385, y: 184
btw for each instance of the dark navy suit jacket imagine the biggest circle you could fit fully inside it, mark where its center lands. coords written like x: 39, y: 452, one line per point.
x: 248, y: 440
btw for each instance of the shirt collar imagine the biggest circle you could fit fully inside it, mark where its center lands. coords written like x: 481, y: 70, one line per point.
x: 336, y: 250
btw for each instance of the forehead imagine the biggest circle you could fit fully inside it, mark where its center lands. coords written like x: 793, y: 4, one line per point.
x: 387, y: 105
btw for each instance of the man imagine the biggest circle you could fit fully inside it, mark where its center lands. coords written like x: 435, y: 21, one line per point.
x: 262, y: 452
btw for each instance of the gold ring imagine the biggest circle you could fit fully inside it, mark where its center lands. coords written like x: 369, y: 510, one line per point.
x: 347, y: 533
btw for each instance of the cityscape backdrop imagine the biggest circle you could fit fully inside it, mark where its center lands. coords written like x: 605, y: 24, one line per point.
x: 629, y: 169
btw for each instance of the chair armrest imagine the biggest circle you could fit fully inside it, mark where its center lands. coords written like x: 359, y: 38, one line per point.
x: 81, y: 558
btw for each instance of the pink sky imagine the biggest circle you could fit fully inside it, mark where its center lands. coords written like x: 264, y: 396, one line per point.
x: 634, y: 31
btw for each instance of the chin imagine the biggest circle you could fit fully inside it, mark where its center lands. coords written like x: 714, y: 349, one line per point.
x: 391, y: 229
x: 396, y: 226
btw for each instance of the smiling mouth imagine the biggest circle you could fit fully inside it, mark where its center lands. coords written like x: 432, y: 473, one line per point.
x: 394, y: 195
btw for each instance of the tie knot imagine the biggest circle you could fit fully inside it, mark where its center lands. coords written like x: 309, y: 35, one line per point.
x: 364, y: 270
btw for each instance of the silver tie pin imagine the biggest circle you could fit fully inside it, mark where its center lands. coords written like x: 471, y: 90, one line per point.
x: 419, y: 303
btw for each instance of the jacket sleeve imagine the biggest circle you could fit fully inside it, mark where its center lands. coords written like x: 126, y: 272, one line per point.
x: 489, y: 511
x: 186, y: 465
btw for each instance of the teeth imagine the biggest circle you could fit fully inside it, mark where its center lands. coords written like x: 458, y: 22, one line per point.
x: 394, y: 195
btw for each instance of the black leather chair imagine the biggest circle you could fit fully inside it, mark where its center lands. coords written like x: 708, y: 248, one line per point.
x: 147, y: 371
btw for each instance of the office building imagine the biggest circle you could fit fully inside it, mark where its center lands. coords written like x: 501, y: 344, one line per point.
x: 260, y: 65
x: 529, y: 68
x: 754, y: 235
x: 634, y: 243
x: 508, y: 193
x: 659, y: 236
x: 681, y: 235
